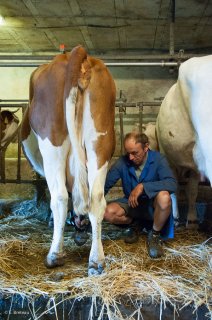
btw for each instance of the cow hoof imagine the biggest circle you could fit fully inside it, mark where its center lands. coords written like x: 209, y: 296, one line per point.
x: 55, y: 260
x: 192, y: 224
x: 95, y: 269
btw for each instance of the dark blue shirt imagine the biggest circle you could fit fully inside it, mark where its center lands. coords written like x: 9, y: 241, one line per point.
x: 156, y: 176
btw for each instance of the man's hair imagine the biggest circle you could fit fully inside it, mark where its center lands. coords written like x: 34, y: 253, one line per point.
x: 138, y: 137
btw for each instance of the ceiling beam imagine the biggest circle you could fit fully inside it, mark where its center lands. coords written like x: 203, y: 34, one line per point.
x: 18, y: 39
x: 80, y: 21
x: 35, y: 13
x: 120, y: 7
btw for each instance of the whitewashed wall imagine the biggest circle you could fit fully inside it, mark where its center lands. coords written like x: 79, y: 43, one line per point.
x: 138, y: 83
x: 14, y: 82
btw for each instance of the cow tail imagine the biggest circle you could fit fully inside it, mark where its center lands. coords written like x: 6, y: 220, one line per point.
x: 73, y: 102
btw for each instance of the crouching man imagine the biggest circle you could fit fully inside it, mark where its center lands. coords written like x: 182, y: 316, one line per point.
x: 147, y: 183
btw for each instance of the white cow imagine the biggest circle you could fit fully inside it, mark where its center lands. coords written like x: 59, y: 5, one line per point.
x: 184, y: 125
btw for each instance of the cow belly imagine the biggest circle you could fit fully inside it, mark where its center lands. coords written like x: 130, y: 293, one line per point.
x: 179, y: 152
x: 32, y: 152
x: 174, y: 130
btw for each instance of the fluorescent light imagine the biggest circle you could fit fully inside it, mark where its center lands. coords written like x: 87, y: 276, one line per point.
x: 2, y: 21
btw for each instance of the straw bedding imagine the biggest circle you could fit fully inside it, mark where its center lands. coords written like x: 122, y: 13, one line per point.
x: 182, y: 277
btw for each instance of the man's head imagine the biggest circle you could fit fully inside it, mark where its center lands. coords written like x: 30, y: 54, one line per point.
x: 136, y: 146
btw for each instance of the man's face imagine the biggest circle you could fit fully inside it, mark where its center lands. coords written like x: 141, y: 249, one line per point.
x: 135, y: 152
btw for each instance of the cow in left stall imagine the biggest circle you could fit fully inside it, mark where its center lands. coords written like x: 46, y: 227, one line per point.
x: 9, y: 126
x: 68, y: 137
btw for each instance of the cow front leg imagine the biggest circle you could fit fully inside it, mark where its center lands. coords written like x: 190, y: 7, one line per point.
x: 191, y: 193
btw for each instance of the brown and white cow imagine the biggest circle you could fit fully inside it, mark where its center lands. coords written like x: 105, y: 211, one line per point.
x: 68, y: 137
x: 9, y: 126
x: 184, y: 125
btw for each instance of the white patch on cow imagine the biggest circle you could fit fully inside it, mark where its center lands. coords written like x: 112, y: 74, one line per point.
x: 88, y: 173
x: 89, y: 137
x: 78, y: 159
x: 54, y: 159
x: 31, y: 149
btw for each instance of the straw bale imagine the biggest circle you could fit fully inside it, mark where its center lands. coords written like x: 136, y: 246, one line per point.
x: 181, y: 278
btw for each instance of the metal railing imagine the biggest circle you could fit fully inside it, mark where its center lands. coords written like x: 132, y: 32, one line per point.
x: 121, y: 105
x: 16, y: 134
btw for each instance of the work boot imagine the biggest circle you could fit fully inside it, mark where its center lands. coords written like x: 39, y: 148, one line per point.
x: 154, y: 244
x: 132, y: 235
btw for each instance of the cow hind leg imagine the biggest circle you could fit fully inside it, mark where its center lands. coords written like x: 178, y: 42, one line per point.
x: 191, y: 193
x: 54, y: 161
x: 97, y: 208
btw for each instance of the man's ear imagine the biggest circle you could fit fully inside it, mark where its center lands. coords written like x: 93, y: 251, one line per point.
x: 146, y: 147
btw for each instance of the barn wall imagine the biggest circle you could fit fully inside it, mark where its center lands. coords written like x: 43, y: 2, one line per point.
x: 143, y: 83
x: 14, y: 82
x: 138, y: 83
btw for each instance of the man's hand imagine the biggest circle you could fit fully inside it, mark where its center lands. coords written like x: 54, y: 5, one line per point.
x: 133, y: 198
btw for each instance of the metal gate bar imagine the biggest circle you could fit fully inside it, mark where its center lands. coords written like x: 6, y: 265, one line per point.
x: 3, y: 149
x: 122, y: 106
